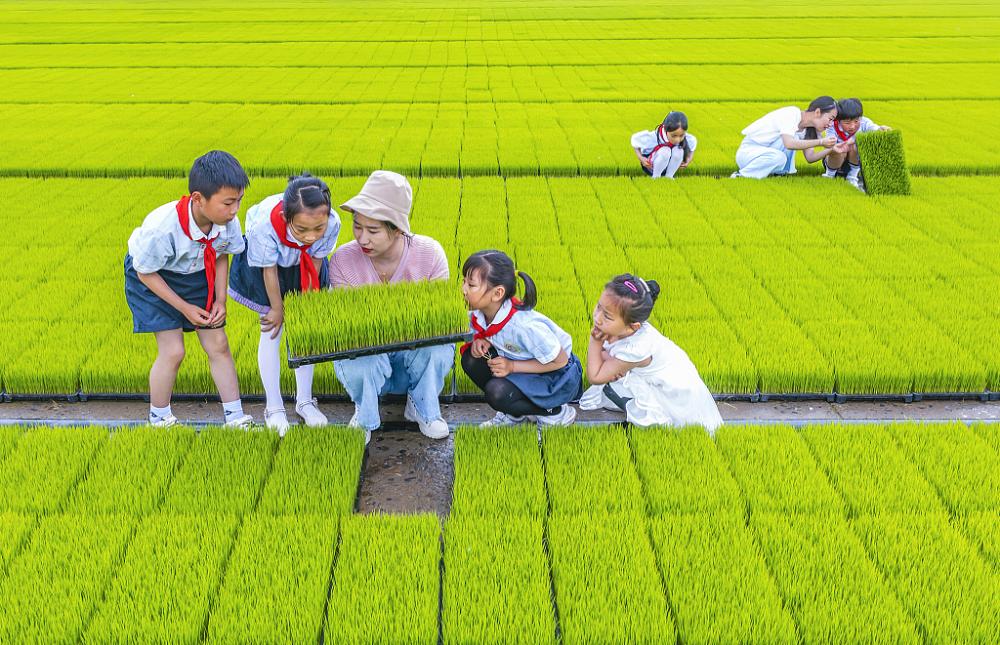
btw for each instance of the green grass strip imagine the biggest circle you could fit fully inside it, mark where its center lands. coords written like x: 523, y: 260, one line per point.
x: 950, y: 591
x: 316, y: 470
x: 276, y: 581
x: 496, y: 582
x: 498, y: 472
x: 983, y: 530
x: 14, y: 528
x: 884, y: 162
x: 386, y: 581
x: 607, y: 586
x: 589, y: 470
x: 718, y: 581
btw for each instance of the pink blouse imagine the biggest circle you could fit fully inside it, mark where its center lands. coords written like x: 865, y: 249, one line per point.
x: 423, y: 259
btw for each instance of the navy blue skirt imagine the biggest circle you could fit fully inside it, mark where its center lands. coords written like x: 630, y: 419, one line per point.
x: 152, y: 314
x: 552, y: 389
x: 246, y: 283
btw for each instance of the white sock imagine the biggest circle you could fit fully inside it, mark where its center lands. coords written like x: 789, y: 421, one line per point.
x: 156, y: 413
x: 269, y: 364
x: 304, y: 383
x: 853, y: 170
x: 232, y: 409
x: 831, y: 172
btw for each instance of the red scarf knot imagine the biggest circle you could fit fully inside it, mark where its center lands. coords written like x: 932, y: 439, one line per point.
x: 308, y: 273
x: 490, y: 330
x: 184, y: 217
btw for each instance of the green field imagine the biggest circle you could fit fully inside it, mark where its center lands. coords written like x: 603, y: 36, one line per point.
x: 512, y: 121
x: 767, y: 534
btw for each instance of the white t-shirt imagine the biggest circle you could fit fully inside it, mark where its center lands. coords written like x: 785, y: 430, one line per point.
x: 767, y: 130
x: 264, y: 249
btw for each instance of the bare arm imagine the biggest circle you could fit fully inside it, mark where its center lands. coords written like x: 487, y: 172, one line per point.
x: 792, y: 143
x: 603, y: 368
x: 501, y: 366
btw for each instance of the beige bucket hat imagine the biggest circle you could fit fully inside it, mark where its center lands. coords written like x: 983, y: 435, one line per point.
x: 387, y: 197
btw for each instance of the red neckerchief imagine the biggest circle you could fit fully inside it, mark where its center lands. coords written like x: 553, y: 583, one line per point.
x: 308, y: 274
x: 184, y: 217
x: 840, y: 133
x: 661, y: 136
x: 490, y: 330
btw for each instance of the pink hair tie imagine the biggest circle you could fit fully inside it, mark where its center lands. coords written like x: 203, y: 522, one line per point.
x: 628, y: 283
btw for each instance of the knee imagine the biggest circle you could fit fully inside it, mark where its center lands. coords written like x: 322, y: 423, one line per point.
x: 172, y: 354
x: 216, y: 345
x: 468, y: 362
x: 497, y: 392
x: 357, y: 370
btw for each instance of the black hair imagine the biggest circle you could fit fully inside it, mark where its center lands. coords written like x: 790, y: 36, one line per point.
x: 305, y: 191
x: 215, y: 170
x: 849, y: 109
x: 823, y: 104
x: 497, y: 270
x: 635, y: 296
x: 676, y: 120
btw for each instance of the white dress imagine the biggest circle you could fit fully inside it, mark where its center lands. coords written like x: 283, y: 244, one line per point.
x: 668, y: 391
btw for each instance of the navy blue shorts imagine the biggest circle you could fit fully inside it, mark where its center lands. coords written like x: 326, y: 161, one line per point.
x: 552, y: 389
x: 246, y: 283
x: 150, y: 313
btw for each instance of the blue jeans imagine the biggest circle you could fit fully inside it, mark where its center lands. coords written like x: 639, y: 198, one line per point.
x: 417, y: 372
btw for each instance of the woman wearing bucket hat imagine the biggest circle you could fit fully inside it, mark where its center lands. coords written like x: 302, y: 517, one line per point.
x: 385, y: 250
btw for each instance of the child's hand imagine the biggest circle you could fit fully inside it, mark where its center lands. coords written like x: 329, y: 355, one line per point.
x: 272, y: 321
x: 196, y: 316
x: 828, y: 142
x: 647, y: 162
x: 479, y: 347
x: 598, y: 335
x: 842, y: 148
x: 884, y: 127
x: 217, y: 315
x: 500, y: 366
x: 684, y: 164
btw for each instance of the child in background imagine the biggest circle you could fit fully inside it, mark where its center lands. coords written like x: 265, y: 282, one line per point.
x: 633, y: 368
x: 770, y: 142
x: 520, y: 359
x: 850, y: 120
x: 289, y: 236
x: 176, y: 272
x: 669, y: 148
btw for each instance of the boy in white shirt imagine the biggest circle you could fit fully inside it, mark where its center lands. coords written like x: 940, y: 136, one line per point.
x: 176, y: 275
x: 849, y: 122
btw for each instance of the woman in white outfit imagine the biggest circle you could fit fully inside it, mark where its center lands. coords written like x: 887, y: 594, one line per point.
x: 770, y: 142
x: 633, y: 368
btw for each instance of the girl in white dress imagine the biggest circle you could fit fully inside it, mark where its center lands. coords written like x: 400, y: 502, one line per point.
x: 633, y: 368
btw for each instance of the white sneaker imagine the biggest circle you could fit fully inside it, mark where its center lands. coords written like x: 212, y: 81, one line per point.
x: 827, y: 175
x: 855, y: 182
x: 501, y: 419
x: 163, y: 422
x: 564, y: 418
x: 240, y: 422
x: 276, y: 420
x: 436, y: 429
x: 353, y: 423
x: 309, y: 411
x: 735, y: 175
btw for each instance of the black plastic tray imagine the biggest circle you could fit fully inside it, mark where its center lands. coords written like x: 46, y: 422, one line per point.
x: 299, y: 361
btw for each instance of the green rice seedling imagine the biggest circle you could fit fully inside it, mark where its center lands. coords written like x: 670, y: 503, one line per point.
x: 132, y: 472
x: 631, y: 222
x: 14, y: 530
x: 862, y: 364
x: 388, y: 571
x: 529, y: 208
x: 590, y: 470
x: 52, y: 587
x: 775, y: 471
x: 496, y: 582
x: 719, y: 585
x: 353, y: 318
x: 963, y: 468
x: 721, y: 358
x: 44, y: 465
x: 222, y: 473
x: 316, y: 471
x: 827, y: 582
x: 785, y: 358
x: 983, y: 530
x: 990, y: 432
x: 498, y: 472
x: 276, y: 581
x: 951, y: 592
x: 8, y: 438
x: 869, y: 469
x: 607, y: 587
x: 483, y: 219
x: 682, y: 472
x: 682, y: 223
x: 163, y: 590
x: 884, y: 163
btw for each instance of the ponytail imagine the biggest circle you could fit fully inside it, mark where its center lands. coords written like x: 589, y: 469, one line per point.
x: 530, y: 297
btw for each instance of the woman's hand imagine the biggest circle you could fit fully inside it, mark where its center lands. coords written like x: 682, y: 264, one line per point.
x: 842, y: 148
x: 828, y: 142
x: 272, y: 321
x: 479, y: 347
x: 500, y: 366
x: 884, y: 127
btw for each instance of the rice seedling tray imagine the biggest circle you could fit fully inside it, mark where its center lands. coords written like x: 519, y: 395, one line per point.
x: 873, y: 398
x: 764, y: 397
x: 954, y: 396
x: 449, y: 339
x: 70, y: 398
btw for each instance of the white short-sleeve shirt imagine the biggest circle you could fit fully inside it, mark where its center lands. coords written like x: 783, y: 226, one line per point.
x: 264, y: 249
x: 767, y: 130
x: 160, y: 244
x: 527, y: 335
x: 867, y: 125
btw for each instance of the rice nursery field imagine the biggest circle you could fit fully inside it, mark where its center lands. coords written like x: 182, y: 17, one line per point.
x: 767, y: 534
x: 512, y: 121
